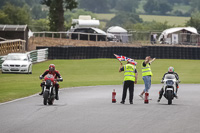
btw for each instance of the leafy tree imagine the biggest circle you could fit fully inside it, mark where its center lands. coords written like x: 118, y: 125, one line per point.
x: 112, y: 3
x: 127, y: 5
x: 195, y: 4
x: 37, y: 12
x: 16, y: 15
x: 4, y: 18
x: 186, y: 2
x: 40, y: 25
x: 194, y: 20
x: 150, y: 6
x: 150, y: 26
x: 19, y: 3
x: 96, y: 6
x: 56, y: 12
x: 164, y: 7
x: 123, y: 18
x: 33, y: 2
x: 157, y: 7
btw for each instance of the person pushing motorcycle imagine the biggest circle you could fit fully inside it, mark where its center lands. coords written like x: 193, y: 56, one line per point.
x: 56, y: 74
x: 170, y: 71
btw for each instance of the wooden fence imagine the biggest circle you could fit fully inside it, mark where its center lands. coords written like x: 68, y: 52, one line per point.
x: 11, y: 46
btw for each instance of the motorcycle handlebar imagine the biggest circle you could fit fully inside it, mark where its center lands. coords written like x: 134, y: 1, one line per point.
x: 178, y: 81
x: 58, y: 80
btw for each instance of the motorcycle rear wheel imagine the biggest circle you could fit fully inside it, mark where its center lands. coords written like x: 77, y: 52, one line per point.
x: 50, y: 102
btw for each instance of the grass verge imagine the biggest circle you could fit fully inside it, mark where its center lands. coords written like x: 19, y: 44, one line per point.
x: 90, y: 72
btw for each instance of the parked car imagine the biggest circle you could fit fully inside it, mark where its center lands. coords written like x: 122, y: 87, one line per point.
x: 17, y: 63
x: 92, y: 34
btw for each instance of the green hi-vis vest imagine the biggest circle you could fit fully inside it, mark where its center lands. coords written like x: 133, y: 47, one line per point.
x: 146, y: 71
x: 129, y: 72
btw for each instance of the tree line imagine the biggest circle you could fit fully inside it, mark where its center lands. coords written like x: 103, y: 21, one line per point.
x: 56, y: 15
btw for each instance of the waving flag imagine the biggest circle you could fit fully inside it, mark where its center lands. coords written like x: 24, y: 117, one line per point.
x: 120, y: 57
x: 124, y: 58
x: 132, y: 61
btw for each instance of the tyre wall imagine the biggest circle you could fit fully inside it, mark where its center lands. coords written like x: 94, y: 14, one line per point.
x: 160, y: 52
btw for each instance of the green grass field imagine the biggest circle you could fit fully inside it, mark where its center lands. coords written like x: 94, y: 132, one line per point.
x: 90, y: 72
x: 172, y: 20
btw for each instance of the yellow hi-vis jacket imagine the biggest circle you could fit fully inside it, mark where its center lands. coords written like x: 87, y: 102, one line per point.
x: 129, y: 72
x: 146, y: 71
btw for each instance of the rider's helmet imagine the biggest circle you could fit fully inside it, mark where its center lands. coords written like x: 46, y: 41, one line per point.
x: 51, y: 67
x: 170, y: 69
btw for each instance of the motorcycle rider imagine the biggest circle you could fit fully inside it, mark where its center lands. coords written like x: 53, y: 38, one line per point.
x: 170, y: 71
x: 56, y: 74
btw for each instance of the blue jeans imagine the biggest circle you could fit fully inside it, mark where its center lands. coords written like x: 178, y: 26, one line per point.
x: 147, y: 83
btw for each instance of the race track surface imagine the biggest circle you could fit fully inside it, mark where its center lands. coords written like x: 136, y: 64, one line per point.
x: 90, y: 110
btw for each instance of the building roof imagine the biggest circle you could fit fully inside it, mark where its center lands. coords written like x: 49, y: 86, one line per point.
x: 13, y: 27
x: 172, y: 30
x: 116, y: 29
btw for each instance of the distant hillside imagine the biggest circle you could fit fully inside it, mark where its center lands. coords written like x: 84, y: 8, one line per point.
x: 172, y: 20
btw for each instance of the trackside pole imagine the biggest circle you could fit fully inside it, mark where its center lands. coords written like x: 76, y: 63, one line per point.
x: 113, y: 96
x: 146, y: 98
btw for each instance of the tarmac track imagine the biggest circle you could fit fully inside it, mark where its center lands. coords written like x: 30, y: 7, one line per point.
x: 89, y: 110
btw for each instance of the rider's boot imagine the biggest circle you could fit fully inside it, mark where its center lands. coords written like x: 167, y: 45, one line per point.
x: 57, y: 98
x: 175, y: 95
x: 41, y: 93
x: 42, y: 86
x: 158, y: 100
x: 160, y: 94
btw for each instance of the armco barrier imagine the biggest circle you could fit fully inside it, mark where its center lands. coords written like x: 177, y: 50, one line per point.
x: 160, y: 52
x: 1, y: 61
x: 39, y: 55
x: 36, y: 56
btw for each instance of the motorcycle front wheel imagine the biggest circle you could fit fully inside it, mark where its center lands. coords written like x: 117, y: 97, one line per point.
x: 45, y: 96
x: 169, y: 96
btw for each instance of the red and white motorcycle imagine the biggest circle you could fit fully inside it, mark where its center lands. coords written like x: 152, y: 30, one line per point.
x: 49, y: 92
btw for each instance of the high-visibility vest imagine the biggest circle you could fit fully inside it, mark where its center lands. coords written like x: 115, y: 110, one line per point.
x: 129, y: 72
x: 146, y: 71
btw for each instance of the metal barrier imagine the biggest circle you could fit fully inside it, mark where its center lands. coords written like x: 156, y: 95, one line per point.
x: 134, y: 36
x: 1, y: 60
x: 36, y: 56
x: 11, y: 46
x: 39, y: 55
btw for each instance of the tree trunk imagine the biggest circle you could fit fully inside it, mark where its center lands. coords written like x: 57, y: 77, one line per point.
x: 56, y: 15
x: 60, y: 10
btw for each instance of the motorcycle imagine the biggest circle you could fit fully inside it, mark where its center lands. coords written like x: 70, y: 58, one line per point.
x: 49, y: 92
x: 169, y: 87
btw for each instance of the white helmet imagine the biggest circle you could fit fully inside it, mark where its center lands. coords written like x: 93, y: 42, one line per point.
x: 170, y: 69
